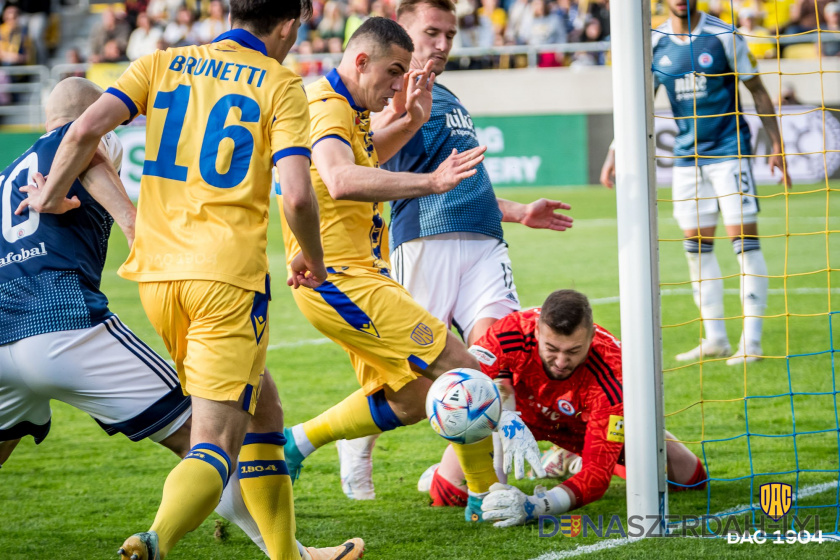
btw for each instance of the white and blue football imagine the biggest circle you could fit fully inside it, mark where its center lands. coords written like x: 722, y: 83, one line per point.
x: 463, y: 406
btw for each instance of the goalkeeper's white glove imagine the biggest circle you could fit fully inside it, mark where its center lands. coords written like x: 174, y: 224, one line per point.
x: 519, y: 445
x: 509, y: 506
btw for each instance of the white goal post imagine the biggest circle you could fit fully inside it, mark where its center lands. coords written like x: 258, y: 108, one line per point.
x: 638, y: 259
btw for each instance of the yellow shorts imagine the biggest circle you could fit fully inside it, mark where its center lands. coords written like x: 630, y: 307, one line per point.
x: 377, y: 322
x: 216, y: 333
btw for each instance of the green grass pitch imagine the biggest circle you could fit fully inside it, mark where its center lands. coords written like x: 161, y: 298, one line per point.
x: 79, y: 493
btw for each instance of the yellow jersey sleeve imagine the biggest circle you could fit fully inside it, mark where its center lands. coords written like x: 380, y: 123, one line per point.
x: 134, y: 86
x: 290, y: 129
x: 331, y: 117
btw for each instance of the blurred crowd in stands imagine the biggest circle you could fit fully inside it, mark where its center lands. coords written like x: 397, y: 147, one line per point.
x: 30, y: 29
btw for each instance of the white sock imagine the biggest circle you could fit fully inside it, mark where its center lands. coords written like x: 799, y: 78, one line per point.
x: 303, y: 444
x: 232, y: 507
x: 753, y: 287
x: 707, y: 287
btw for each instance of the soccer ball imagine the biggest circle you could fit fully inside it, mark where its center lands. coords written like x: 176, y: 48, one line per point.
x: 463, y: 406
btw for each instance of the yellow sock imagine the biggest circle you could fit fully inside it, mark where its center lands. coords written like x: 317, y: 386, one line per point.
x: 477, y: 463
x: 267, y: 491
x: 191, y: 493
x: 349, y: 419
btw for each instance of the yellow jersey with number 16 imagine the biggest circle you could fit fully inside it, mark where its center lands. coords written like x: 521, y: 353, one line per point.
x: 218, y: 116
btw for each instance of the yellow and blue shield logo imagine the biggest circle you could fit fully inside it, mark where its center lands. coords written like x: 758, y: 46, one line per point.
x: 776, y: 499
x: 422, y: 335
x: 570, y: 525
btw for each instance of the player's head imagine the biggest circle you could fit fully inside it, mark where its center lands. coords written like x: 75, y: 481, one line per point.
x: 682, y: 8
x: 273, y: 21
x: 564, y: 333
x: 432, y: 25
x: 377, y: 55
x: 69, y: 99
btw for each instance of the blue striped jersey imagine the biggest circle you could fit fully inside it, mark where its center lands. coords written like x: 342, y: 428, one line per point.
x: 469, y: 207
x: 699, y: 75
x: 50, y: 264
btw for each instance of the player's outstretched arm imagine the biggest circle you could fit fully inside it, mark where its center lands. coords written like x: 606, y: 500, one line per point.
x: 347, y: 181
x: 300, y: 207
x: 608, y: 169
x: 413, y: 106
x: 540, y: 214
x: 74, y: 154
x: 104, y: 185
x: 767, y: 113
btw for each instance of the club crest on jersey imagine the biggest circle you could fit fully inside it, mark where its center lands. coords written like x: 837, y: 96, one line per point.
x: 565, y: 407
x: 705, y: 60
x: 422, y: 335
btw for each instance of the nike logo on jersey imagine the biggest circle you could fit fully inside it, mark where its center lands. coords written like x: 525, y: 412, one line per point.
x: 690, y: 86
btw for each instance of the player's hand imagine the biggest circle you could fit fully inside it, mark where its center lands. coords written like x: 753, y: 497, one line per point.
x: 608, y: 170
x: 35, y: 195
x: 509, y: 506
x: 305, y: 273
x: 417, y: 94
x: 777, y: 161
x: 519, y: 445
x: 541, y: 214
x: 456, y: 168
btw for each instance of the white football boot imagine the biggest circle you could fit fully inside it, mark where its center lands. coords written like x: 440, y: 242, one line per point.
x: 747, y: 352
x: 706, y: 349
x: 425, y: 482
x: 357, y: 467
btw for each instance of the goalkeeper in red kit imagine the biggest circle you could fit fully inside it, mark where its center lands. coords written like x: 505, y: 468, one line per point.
x: 562, y: 372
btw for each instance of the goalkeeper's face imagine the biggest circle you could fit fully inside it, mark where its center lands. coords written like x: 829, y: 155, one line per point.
x: 562, y: 354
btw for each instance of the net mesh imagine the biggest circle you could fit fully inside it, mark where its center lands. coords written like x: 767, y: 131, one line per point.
x: 771, y: 417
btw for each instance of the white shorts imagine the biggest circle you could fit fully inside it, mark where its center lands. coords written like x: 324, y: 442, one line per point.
x: 701, y: 192
x: 105, y: 371
x: 459, y: 277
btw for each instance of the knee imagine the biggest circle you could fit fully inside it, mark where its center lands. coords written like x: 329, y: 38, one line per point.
x: 408, y: 405
x: 268, y: 416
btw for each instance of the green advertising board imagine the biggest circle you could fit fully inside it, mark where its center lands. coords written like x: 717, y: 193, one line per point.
x: 540, y: 150
x: 14, y: 143
x: 535, y: 150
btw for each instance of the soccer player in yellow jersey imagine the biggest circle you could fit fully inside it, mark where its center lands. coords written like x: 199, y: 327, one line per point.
x: 396, y: 347
x: 219, y: 117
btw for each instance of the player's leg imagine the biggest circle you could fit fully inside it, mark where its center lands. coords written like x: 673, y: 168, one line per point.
x: 22, y: 411
x: 416, y: 265
x: 739, y: 207
x: 486, y: 294
x: 684, y: 467
x: 696, y: 212
x: 369, y: 315
x: 6, y: 448
x: 475, y: 459
x: 210, y: 319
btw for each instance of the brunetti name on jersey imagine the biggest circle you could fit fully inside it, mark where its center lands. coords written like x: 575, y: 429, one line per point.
x: 23, y: 255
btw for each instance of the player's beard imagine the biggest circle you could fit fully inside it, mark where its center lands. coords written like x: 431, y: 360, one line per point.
x: 567, y: 373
